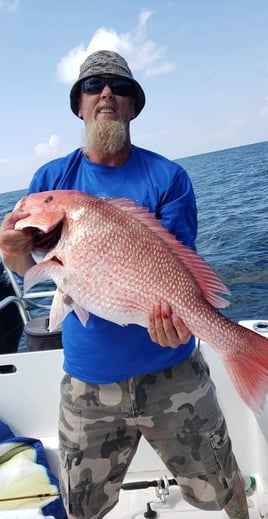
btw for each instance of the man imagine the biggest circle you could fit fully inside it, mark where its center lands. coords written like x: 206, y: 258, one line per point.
x: 122, y: 382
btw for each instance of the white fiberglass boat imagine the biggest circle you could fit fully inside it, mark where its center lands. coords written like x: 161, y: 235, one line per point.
x: 29, y: 398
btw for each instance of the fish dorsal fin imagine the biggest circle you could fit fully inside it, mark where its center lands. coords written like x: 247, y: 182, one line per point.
x: 207, y: 279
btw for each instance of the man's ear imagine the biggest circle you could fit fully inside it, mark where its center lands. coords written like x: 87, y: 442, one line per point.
x: 80, y: 111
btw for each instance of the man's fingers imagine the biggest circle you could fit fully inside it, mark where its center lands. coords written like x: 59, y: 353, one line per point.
x: 15, y: 242
x: 11, y: 218
x: 161, y: 327
x: 183, y: 332
x: 164, y: 330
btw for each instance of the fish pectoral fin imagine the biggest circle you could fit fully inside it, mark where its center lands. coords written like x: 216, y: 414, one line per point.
x: 41, y: 272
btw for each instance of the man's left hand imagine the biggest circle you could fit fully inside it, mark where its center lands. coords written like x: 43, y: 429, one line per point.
x: 166, y: 330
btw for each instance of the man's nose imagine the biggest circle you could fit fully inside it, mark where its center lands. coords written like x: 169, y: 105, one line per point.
x: 106, y: 91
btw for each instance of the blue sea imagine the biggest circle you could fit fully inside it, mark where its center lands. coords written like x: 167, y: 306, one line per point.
x: 231, y: 189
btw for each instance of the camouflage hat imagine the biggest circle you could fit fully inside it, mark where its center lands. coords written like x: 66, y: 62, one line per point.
x: 105, y: 62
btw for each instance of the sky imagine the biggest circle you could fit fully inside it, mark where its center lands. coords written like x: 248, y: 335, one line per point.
x: 203, y: 65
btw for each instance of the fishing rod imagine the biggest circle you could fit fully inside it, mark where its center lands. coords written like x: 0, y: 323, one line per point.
x: 138, y: 485
x: 162, y: 483
x: 45, y: 495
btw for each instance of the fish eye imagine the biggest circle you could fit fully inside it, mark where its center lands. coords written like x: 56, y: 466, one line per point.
x: 49, y: 199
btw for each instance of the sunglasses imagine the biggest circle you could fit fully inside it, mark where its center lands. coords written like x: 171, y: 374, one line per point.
x: 119, y: 86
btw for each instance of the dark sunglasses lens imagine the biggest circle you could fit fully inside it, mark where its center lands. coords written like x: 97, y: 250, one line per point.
x: 119, y: 86
x: 93, y: 85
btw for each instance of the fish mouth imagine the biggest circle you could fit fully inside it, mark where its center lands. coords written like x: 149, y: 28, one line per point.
x: 46, y: 240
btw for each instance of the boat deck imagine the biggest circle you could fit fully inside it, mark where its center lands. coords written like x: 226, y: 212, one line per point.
x: 29, y: 398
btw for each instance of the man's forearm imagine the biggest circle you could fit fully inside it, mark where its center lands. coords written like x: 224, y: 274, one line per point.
x: 18, y: 264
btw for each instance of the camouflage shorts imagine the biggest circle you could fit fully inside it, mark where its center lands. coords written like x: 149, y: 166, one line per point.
x: 177, y: 412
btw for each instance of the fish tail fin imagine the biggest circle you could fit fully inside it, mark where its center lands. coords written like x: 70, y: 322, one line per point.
x: 248, y: 370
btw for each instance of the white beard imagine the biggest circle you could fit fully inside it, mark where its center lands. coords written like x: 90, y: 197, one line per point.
x: 105, y: 136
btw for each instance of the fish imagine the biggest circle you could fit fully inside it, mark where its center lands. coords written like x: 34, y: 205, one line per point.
x: 113, y: 258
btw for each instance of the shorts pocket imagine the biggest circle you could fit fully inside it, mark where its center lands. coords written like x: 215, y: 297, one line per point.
x: 75, y: 489
x: 64, y: 478
x: 225, y: 462
x: 211, y: 452
x: 221, y: 443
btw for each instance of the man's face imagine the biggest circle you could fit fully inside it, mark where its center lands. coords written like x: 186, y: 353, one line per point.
x: 106, y: 106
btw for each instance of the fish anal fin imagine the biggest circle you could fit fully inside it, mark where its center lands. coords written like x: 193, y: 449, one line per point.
x: 62, y: 305
x: 58, y: 311
x: 81, y: 313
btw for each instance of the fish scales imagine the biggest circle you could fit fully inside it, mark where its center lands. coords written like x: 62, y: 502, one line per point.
x: 118, y: 263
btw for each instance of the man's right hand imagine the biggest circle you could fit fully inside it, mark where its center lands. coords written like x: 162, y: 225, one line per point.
x: 12, y: 242
x: 16, y: 246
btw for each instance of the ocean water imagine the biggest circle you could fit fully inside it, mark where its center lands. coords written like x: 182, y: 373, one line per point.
x: 231, y: 189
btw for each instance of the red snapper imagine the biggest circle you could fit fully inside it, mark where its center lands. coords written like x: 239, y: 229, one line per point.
x: 115, y: 260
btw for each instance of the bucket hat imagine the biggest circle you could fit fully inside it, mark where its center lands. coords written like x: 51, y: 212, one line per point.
x: 105, y: 62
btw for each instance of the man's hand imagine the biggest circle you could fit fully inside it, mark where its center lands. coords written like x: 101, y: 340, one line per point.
x: 12, y: 242
x: 16, y: 246
x: 166, y: 330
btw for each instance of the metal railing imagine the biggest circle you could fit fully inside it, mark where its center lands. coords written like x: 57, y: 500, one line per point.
x: 24, y: 301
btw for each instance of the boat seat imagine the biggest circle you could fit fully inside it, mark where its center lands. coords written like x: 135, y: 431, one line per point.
x: 29, y: 396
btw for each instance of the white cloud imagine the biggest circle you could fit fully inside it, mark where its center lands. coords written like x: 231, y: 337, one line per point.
x: 140, y: 51
x: 163, y: 68
x: 68, y: 67
x: 9, y: 5
x: 49, y: 148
